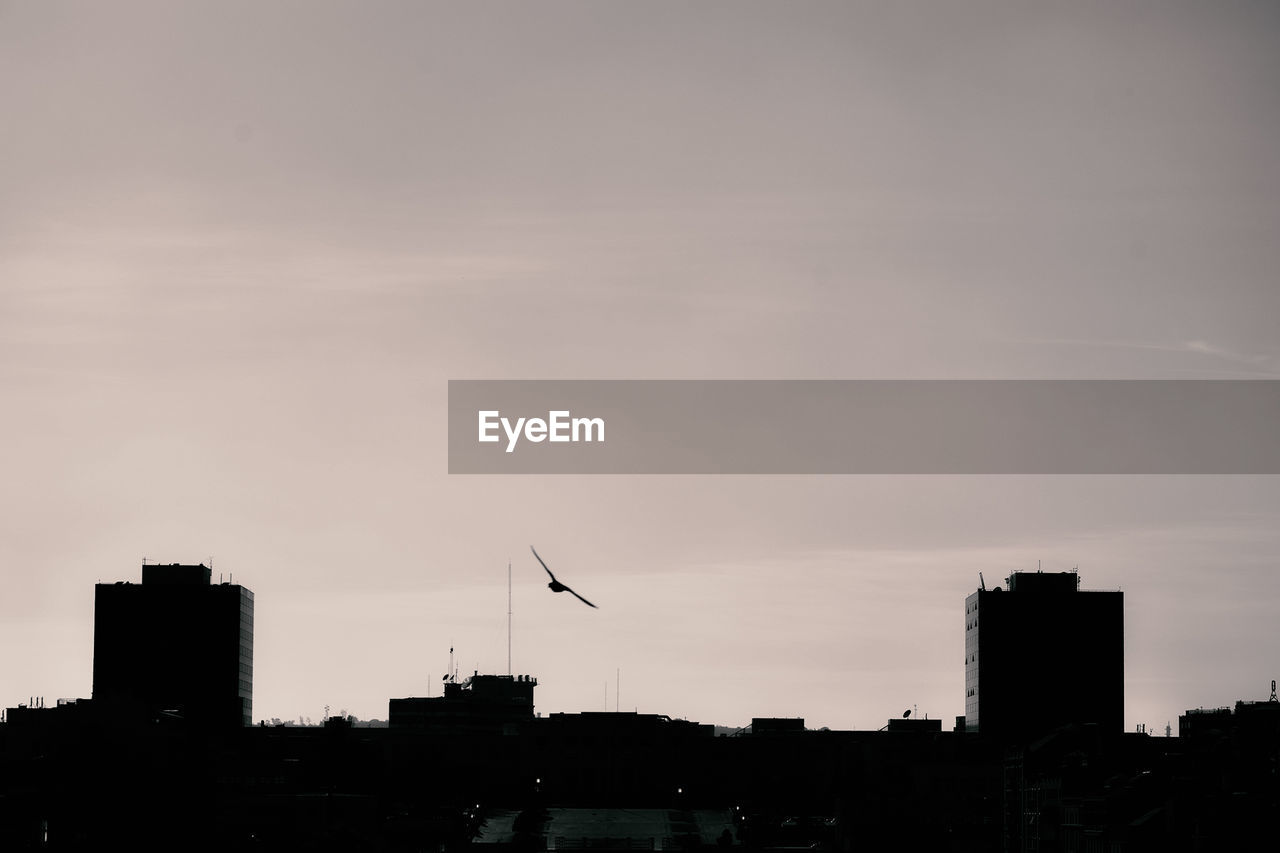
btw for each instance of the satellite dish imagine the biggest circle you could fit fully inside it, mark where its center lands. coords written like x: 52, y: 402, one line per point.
x: 906, y: 713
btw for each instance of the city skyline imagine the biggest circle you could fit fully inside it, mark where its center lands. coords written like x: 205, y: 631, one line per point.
x: 244, y: 248
x: 1040, y: 645
x: 165, y: 742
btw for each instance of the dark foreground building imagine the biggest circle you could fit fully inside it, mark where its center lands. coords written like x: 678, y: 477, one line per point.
x: 1043, y: 654
x: 176, y: 644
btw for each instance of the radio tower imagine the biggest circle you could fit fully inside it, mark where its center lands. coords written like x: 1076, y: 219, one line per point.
x: 508, y: 617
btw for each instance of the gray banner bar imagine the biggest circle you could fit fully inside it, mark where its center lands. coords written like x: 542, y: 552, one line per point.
x: 864, y: 427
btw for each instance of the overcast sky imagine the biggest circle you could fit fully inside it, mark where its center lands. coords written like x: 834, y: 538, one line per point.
x: 243, y: 247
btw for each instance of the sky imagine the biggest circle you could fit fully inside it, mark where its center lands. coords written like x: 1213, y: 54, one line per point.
x: 244, y: 247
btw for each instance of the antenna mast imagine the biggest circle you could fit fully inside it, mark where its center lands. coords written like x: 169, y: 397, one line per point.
x: 508, y: 617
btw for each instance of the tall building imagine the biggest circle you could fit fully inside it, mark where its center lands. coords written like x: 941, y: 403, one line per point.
x: 175, y: 643
x: 1042, y: 654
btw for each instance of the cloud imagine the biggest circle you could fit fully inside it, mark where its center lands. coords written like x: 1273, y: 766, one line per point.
x: 1260, y: 364
x: 1268, y: 364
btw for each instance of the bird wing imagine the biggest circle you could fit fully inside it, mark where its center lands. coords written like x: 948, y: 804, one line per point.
x: 580, y: 598
x: 544, y: 565
x: 553, y: 578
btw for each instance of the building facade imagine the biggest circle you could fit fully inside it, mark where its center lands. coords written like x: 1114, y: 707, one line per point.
x: 1042, y: 654
x: 176, y: 644
x: 478, y: 703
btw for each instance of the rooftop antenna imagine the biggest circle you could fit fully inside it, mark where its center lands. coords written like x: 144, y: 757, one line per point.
x: 1273, y: 691
x: 451, y: 672
x: 508, y: 617
x: 617, y: 690
x: 982, y: 585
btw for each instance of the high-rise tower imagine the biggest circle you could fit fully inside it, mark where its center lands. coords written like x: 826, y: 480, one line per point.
x: 1042, y: 654
x: 176, y: 642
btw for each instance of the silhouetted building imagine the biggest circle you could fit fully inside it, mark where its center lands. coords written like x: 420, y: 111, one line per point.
x: 1079, y: 788
x: 176, y: 644
x: 619, y: 758
x: 1199, y: 722
x: 1229, y: 778
x: 900, y: 724
x: 776, y: 725
x: 481, y: 702
x: 1043, y: 654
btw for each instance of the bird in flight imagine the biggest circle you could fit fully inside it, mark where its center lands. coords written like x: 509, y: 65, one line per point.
x: 556, y: 586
